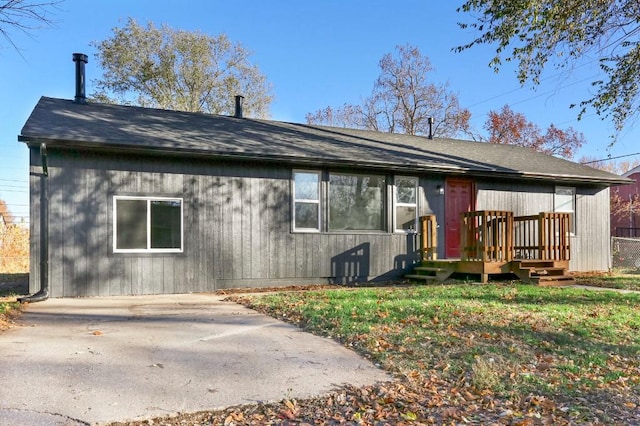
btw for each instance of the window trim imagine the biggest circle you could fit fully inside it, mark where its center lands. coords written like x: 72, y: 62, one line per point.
x: 317, y: 202
x: 574, y: 205
x: 149, y: 249
x: 397, y: 204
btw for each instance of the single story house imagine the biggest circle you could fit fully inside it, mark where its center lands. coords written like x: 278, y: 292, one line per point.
x: 128, y: 200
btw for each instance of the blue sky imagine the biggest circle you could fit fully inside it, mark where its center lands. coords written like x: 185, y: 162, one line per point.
x: 315, y: 53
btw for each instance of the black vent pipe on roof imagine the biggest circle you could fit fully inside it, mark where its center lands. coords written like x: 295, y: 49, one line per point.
x: 43, y: 294
x: 80, y: 59
x: 430, y: 121
x: 239, y: 102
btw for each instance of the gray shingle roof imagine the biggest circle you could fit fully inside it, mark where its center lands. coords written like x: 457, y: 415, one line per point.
x: 60, y: 122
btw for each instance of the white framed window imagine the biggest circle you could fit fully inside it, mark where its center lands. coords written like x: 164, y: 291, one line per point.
x: 147, y: 224
x: 564, y: 201
x: 406, y: 204
x: 306, y: 200
x: 356, y: 202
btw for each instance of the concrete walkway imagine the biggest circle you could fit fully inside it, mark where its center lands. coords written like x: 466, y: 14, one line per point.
x: 98, y: 360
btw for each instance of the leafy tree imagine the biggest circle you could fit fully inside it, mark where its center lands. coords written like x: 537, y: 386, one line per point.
x: 179, y: 70
x: 513, y: 128
x: 534, y: 33
x: 401, y: 101
x: 25, y: 16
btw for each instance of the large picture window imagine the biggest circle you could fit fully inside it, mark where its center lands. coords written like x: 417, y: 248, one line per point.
x: 147, y: 224
x: 406, y: 197
x: 356, y: 202
x: 565, y: 201
x: 306, y: 201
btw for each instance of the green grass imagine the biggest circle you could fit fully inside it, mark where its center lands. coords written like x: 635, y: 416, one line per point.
x: 622, y: 279
x: 508, y: 340
x: 9, y: 307
x: 6, y: 306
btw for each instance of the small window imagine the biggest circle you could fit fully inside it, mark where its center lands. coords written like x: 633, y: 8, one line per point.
x: 144, y: 224
x: 356, y: 202
x: 306, y: 201
x: 406, y: 206
x: 565, y: 201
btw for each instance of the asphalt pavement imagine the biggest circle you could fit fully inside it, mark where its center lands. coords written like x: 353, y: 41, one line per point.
x: 98, y: 360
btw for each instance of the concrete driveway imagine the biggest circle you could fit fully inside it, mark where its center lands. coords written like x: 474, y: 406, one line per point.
x: 98, y: 360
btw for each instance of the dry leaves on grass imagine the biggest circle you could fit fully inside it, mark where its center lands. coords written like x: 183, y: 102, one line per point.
x: 8, y: 316
x: 428, y: 402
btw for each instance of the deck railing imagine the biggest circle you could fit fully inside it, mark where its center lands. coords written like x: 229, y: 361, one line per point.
x: 496, y: 236
x: 544, y: 236
x: 429, y: 237
x: 486, y: 236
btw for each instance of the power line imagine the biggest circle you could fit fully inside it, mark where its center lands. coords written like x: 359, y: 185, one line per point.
x: 530, y: 85
x: 611, y: 158
x: 14, y: 186
x: 14, y: 180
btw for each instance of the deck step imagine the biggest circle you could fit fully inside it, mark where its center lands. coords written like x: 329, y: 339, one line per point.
x: 547, y: 271
x: 556, y: 280
x: 421, y: 277
x: 535, y: 263
x: 429, y: 269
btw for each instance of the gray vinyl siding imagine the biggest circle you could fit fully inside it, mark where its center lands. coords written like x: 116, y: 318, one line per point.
x: 519, y: 197
x: 237, y: 230
x: 237, y: 227
x: 590, y: 246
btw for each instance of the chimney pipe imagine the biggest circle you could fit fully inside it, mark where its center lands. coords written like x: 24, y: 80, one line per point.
x: 430, y: 121
x: 80, y: 59
x: 239, y: 102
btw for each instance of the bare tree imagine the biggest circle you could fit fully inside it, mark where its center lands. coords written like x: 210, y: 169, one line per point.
x: 402, y: 100
x: 5, y: 213
x: 25, y: 16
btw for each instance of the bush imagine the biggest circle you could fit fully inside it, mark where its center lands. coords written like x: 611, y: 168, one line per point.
x: 14, y: 249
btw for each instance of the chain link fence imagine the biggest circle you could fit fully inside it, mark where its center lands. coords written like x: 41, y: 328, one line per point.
x: 626, y: 253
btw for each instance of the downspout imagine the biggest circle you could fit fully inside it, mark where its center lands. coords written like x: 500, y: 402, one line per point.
x: 43, y: 294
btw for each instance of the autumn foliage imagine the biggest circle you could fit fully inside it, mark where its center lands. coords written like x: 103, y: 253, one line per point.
x: 14, y: 243
x: 512, y: 128
x: 14, y: 249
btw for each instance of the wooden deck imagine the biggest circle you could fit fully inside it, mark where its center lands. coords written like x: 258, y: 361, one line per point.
x: 535, y: 248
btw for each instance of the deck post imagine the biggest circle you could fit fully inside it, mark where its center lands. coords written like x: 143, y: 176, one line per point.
x: 428, y: 237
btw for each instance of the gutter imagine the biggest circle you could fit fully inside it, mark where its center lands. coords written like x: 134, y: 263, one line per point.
x: 43, y: 294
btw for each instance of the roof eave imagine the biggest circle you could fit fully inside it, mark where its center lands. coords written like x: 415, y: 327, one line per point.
x: 307, y: 161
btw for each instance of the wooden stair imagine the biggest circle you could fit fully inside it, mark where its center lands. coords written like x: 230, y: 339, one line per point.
x: 432, y: 271
x: 543, y: 272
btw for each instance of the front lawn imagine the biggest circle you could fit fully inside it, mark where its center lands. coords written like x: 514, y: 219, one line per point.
x: 621, y: 279
x: 480, y: 353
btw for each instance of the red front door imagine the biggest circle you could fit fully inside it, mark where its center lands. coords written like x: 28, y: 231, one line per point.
x: 458, y: 198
